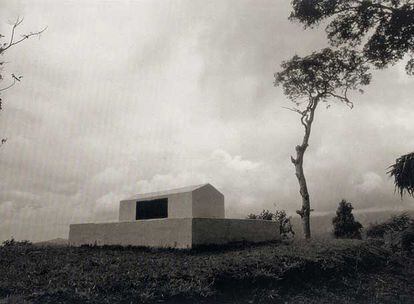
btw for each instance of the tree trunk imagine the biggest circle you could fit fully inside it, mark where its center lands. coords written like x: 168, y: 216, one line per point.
x: 304, y: 212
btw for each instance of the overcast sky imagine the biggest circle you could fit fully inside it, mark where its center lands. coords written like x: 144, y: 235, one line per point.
x: 123, y: 97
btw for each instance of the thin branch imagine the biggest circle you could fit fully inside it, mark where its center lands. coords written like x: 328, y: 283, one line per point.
x: 9, y: 86
x: 24, y: 37
x: 344, y: 99
x: 294, y: 110
x: 16, y: 24
x: 303, y: 114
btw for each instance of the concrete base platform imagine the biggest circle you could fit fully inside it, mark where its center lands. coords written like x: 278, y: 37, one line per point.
x: 174, y: 233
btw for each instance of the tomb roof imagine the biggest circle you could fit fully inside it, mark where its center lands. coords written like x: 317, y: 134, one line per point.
x: 166, y: 192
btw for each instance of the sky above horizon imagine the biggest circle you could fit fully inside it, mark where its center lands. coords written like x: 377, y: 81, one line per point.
x: 123, y: 97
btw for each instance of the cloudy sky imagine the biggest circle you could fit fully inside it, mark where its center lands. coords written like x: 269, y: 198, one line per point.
x: 122, y: 97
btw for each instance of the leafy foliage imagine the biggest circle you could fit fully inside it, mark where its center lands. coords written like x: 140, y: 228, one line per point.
x: 285, y: 226
x: 344, y: 222
x: 307, y: 81
x: 397, y: 232
x: 403, y: 173
x: 394, y: 224
x: 384, y: 29
x: 325, y: 74
x: 264, y: 215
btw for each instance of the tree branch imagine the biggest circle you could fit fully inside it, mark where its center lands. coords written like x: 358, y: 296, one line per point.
x: 16, y: 24
x: 9, y: 86
x: 294, y: 110
x: 303, y: 114
x: 24, y: 37
x: 344, y: 99
x: 378, y: 5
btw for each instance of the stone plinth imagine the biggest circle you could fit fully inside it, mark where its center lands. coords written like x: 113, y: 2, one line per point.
x: 174, y: 233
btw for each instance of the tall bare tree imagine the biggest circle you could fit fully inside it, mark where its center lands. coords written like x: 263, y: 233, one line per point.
x: 321, y: 77
x: 5, y: 44
x: 383, y: 30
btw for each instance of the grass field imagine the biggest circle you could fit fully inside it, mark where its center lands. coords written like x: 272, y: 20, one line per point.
x: 341, y: 271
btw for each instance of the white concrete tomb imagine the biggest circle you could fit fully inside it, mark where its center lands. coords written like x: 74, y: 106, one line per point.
x: 201, y: 201
x: 178, y: 218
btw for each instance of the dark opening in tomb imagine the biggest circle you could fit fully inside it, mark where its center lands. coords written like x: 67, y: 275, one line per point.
x: 152, y: 209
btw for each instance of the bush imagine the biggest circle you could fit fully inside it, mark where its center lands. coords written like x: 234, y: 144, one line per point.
x: 394, y: 224
x: 12, y: 242
x: 285, y: 226
x: 344, y: 222
x: 264, y: 215
x: 251, y: 216
x: 407, y: 238
x: 397, y: 232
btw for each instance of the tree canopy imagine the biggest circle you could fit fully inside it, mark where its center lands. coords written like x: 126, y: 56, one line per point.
x: 322, y: 75
x: 384, y: 29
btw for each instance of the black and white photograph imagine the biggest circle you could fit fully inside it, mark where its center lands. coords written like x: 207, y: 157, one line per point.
x: 219, y: 151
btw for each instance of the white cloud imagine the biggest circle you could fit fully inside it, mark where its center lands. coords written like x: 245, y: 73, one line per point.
x: 106, y: 207
x: 371, y: 181
x: 110, y: 176
x: 169, y: 94
x: 236, y: 162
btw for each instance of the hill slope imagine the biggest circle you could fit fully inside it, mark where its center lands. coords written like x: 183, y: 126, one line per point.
x: 340, y: 271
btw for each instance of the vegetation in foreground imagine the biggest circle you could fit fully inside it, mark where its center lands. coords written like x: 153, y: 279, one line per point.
x: 344, y: 271
x: 344, y: 224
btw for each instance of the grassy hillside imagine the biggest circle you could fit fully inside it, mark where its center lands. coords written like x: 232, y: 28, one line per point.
x: 54, y: 242
x: 303, y: 272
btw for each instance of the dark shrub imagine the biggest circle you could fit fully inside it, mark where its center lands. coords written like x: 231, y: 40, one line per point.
x: 394, y: 224
x: 12, y: 242
x: 252, y: 216
x: 407, y: 238
x: 264, y: 215
x: 397, y: 232
x: 344, y: 222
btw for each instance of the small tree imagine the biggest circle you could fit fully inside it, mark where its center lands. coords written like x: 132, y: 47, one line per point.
x: 309, y: 81
x: 344, y: 222
x: 285, y: 225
